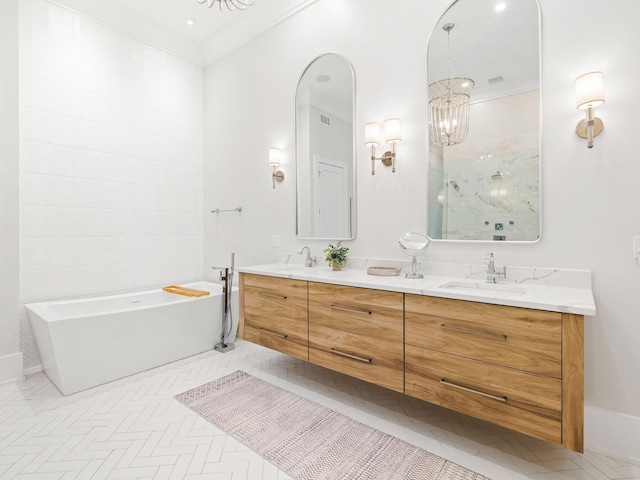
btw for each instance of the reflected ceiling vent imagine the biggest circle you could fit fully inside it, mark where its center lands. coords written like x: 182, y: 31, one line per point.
x: 325, y: 119
x: 495, y: 80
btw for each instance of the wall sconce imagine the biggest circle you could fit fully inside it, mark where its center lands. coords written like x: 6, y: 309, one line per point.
x: 589, y: 95
x: 392, y: 136
x: 274, y: 161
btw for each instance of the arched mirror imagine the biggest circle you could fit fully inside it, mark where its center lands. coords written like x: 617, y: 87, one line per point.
x: 483, y: 77
x: 325, y: 150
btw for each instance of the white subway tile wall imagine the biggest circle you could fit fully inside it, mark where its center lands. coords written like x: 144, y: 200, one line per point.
x: 111, y: 162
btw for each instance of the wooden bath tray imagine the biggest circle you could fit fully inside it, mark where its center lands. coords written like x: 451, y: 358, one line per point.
x: 187, y: 292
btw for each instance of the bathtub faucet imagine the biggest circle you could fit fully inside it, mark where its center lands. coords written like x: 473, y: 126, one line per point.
x: 224, y: 272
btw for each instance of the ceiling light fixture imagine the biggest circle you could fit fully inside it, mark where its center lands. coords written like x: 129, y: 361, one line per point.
x: 449, y: 101
x: 230, y: 4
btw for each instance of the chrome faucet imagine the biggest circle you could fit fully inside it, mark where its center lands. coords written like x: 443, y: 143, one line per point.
x: 308, y: 261
x: 492, y: 274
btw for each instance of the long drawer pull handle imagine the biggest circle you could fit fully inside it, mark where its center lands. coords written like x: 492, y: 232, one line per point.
x: 471, y: 390
x: 354, y: 310
x: 349, y: 355
x: 264, y: 294
x: 474, y: 332
x: 273, y: 333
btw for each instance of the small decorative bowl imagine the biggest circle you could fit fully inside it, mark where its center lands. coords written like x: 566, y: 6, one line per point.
x: 383, y: 271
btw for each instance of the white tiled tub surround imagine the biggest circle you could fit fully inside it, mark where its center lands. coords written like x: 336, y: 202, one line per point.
x: 111, y: 162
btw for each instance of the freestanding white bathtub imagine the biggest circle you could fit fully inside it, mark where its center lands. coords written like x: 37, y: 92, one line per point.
x: 87, y: 342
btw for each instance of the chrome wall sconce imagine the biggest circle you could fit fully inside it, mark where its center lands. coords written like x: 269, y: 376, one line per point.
x: 392, y: 136
x: 589, y: 95
x: 274, y: 162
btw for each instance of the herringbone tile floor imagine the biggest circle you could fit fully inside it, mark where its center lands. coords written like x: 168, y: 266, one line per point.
x: 134, y: 429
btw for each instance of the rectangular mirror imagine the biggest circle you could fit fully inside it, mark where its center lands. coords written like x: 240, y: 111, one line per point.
x: 483, y: 68
x: 325, y: 150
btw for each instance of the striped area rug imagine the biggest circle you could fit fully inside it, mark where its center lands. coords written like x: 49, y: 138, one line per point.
x: 309, y: 441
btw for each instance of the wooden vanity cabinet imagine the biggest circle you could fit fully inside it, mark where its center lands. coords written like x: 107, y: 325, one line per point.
x: 359, y: 332
x: 515, y: 367
x: 274, y: 314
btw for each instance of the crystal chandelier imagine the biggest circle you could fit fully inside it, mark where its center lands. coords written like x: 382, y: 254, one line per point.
x: 230, y: 4
x: 449, y: 104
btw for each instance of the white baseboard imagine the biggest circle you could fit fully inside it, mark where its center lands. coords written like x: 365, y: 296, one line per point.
x: 612, y: 433
x: 10, y: 368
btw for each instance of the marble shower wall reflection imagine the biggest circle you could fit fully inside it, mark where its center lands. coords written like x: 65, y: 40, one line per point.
x: 488, y: 191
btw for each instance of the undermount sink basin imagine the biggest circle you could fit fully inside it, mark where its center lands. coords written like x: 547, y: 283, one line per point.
x: 484, y: 287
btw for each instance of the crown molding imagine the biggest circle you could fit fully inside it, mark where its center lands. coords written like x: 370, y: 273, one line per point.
x: 264, y: 16
x: 135, y: 26
x: 258, y: 19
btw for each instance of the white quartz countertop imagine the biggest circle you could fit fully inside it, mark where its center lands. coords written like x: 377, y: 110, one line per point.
x: 540, y: 297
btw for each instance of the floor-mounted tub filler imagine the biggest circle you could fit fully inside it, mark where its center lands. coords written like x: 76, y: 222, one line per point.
x: 87, y: 342
x: 226, y: 277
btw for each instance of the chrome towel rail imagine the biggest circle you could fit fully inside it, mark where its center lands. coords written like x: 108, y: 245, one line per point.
x: 217, y: 210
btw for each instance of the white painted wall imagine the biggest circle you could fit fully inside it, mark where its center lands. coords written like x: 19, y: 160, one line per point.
x: 111, y: 189
x: 10, y: 357
x: 588, y: 215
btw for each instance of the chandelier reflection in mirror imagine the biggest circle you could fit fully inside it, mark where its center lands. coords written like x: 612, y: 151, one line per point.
x: 449, y: 104
x: 230, y: 4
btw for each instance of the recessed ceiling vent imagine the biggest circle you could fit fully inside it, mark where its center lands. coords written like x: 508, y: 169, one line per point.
x: 494, y: 80
x: 325, y: 119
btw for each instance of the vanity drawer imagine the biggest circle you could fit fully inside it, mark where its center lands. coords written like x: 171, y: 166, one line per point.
x: 286, y: 335
x: 528, y: 403
x: 282, y: 296
x: 359, y: 310
x: 368, y: 358
x: 519, y: 338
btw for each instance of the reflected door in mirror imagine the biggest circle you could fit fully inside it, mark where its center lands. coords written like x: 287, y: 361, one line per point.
x: 332, y: 198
